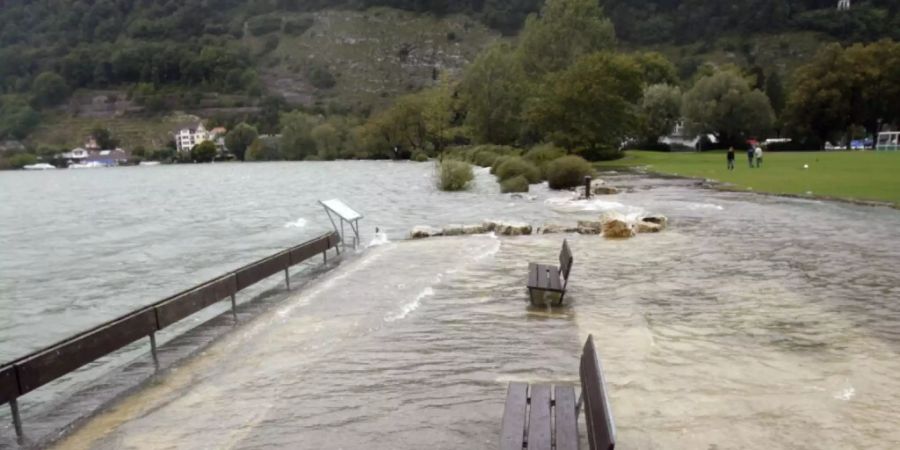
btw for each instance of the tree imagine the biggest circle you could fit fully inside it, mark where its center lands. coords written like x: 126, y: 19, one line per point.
x: 204, y: 152
x: 657, y: 69
x: 775, y: 92
x: 564, y: 31
x: 842, y: 89
x: 296, y: 136
x: 660, y: 110
x: 590, y: 107
x: 723, y: 104
x: 327, y: 139
x: 17, y: 119
x: 239, y: 138
x: 263, y: 150
x: 493, y: 92
x: 49, y: 89
x: 104, y: 138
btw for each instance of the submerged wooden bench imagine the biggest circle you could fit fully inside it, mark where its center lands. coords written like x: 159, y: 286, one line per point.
x: 546, y: 278
x: 541, y: 402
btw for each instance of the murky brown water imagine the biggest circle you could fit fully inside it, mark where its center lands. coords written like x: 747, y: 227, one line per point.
x: 753, y: 322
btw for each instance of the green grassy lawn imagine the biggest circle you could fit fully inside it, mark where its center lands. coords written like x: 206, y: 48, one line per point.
x: 847, y: 175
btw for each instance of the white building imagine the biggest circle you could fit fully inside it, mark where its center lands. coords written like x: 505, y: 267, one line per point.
x: 76, y: 154
x: 187, y: 137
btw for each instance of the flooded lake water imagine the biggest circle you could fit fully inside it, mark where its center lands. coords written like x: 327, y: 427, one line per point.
x: 753, y: 321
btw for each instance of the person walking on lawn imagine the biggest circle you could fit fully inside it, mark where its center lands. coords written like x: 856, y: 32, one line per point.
x: 750, y: 154
x: 759, y: 154
x: 730, y: 158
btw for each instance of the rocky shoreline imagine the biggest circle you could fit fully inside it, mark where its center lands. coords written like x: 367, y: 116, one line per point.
x: 610, y: 225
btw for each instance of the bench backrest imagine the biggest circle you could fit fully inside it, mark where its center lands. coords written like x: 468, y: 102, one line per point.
x: 565, y: 260
x: 601, y: 428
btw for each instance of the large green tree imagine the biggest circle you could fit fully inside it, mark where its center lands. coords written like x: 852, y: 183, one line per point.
x: 49, y: 89
x: 239, y: 139
x: 204, y: 152
x: 660, y: 111
x: 493, y: 91
x: 564, y: 31
x: 724, y: 105
x: 844, y: 89
x: 590, y: 107
x: 296, y: 136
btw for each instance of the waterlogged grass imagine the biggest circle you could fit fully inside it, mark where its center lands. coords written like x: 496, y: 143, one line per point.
x: 847, y: 175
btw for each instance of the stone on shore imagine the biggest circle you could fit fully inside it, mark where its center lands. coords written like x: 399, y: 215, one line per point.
x: 657, y: 219
x: 604, y: 190
x: 589, y: 227
x: 473, y: 229
x: 648, y: 227
x: 616, y: 225
x: 453, y: 230
x: 422, y: 232
x: 507, y: 228
x: 553, y: 228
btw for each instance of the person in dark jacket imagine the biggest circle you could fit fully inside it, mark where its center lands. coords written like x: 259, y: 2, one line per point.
x: 750, y: 155
x: 730, y: 158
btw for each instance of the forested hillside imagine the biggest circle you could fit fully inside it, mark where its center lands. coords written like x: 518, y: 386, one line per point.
x: 257, y: 58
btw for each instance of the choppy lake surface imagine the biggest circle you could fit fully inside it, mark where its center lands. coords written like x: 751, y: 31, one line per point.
x: 753, y: 321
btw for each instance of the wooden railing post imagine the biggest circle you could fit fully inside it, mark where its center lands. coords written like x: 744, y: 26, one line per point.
x: 587, y: 186
x: 17, y: 420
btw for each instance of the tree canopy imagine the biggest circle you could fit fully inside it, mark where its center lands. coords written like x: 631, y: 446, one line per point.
x: 724, y: 104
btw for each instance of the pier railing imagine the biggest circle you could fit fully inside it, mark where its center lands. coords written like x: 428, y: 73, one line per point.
x: 32, y: 371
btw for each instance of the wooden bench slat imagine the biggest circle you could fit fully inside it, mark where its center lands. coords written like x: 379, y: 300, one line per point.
x: 566, y: 420
x: 513, y: 428
x: 553, y: 275
x: 539, y: 425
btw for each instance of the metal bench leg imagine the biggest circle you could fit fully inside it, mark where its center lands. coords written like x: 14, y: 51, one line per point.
x: 153, y: 350
x: 234, y: 308
x: 287, y: 279
x: 17, y: 420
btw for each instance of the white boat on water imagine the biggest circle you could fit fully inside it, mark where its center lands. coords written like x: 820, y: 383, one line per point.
x: 87, y: 165
x: 149, y: 163
x: 39, y: 166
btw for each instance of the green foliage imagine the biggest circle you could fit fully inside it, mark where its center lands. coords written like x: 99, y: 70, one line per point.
x: 493, y: 92
x: 49, y: 89
x: 320, y: 77
x: 239, y: 139
x: 104, y: 138
x: 328, y: 141
x: 21, y: 160
x: 565, y: 31
x: 419, y: 156
x: 568, y: 172
x: 455, y: 175
x: 297, y: 143
x: 590, y: 107
x: 660, y: 111
x: 264, y: 150
x: 656, y: 69
x: 842, y: 88
x: 17, y: 118
x: 204, y: 152
x: 515, y: 184
x: 723, y: 104
x: 497, y: 163
x: 775, y: 92
x: 541, y: 155
x: 514, y: 166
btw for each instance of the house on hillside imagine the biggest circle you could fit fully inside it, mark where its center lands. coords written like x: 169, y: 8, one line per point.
x: 186, y: 137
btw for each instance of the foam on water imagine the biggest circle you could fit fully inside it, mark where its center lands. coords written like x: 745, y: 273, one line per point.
x: 380, y: 238
x: 411, y: 306
x: 299, y: 223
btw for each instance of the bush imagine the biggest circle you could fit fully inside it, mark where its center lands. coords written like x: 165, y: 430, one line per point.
x: 515, y: 166
x: 484, y: 158
x: 568, y: 172
x: 497, y: 162
x: 321, y: 77
x: 419, y: 156
x: 515, y: 184
x: 455, y: 175
x: 204, y: 152
x: 542, y: 154
x: 21, y: 160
